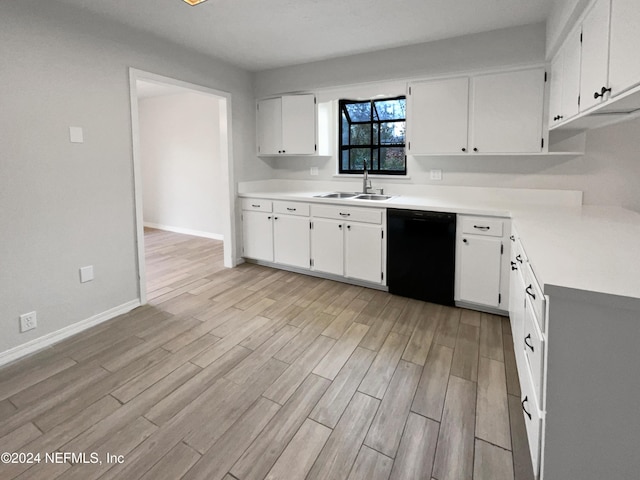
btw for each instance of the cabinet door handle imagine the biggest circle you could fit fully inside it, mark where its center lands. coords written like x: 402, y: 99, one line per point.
x: 519, y: 258
x: 348, y: 227
x: 275, y: 218
x: 464, y: 240
x: 526, y: 399
x: 291, y: 209
x: 255, y: 205
x: 514, y: 266
x: 528, y: 337
x: 268, y: 218
x: 345, y: 214
x: 475, y: 149
x: 482, y: 227
x: 340, y: 226
x: 530, y: 292
x: 602, y: 93
x: 464, y: 149
x: 512, y: 238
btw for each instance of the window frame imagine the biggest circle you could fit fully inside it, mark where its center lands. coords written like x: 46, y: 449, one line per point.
x: 371, y: 146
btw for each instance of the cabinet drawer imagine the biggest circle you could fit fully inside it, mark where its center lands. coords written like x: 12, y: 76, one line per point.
x: 354, y: 214
x: 491, y: 227
x: 533, y: 345
x: 291, y: 208
x: 532, y: 420
x: 535, y: 295
x: 256, y: 205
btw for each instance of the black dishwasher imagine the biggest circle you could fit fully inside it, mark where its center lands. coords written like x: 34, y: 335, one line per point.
x: 421, y: 254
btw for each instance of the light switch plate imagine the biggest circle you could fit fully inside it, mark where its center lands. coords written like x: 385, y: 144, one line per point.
x: 86, y: 274
x: 76, y: 135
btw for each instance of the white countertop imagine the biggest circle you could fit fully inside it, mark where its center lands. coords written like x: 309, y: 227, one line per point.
x: 589, y: 248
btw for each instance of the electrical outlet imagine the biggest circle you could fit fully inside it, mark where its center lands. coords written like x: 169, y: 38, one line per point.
x: 28, y: 321
x: 86, y: 274
x: 436, y: 174
x: 313, y: 171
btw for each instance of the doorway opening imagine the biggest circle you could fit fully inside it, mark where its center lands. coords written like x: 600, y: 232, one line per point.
x: 182, y: 163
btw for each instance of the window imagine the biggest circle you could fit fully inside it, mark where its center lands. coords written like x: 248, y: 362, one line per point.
x: 373, y: 131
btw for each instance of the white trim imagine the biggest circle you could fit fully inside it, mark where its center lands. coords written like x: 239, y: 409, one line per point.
x: 59, y: 335
x: 186, y: 231
x: 226, y: 156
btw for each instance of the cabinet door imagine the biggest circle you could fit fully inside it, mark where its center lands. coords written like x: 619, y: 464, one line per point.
x: 291, y: 240
x: 438, y: 114
x: 480, y: 259
x: 571, y: 53
x: 506, y: 112
x: 363, y: 252
x: 327, y: 246
x: 298, y: 124
x: 624, y: 67
x: 517, y: 311
x: 257, y: 230
x: 270, y: 126
x: 555, y: 90
x: 595, y: 55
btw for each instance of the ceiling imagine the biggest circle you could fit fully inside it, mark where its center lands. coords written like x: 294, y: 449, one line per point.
x: 263, y: 34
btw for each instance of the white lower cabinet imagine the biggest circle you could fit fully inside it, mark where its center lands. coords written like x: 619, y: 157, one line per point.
x: 291, y: 240
x: 327, y: 246
x: 257, y: 232
x: 363, y: 252
x: 481, y: 263
x: 348, y: 241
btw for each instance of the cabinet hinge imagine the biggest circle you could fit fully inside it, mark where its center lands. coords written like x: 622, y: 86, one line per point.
x: 409, y: 90
x: 501, y: 249
x: 580, y: 37
x: 310, y: 225
x: 314, y: 100
x: 382, y: 233
x: 311, y: 262
x: 578, y: 100
x: 542, y: 143
x: 545, y: 77
x: 315, y: 147
x: 499, y: 298
x: 381, y: 275
x: 409, y: 145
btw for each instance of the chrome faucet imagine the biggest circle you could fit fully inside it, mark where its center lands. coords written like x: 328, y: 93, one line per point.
x: 366, y: 183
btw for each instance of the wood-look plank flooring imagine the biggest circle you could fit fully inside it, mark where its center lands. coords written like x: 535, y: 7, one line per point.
x: 253, y: 373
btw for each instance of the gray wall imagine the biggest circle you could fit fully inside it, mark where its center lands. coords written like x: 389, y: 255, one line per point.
x: 63, y: 205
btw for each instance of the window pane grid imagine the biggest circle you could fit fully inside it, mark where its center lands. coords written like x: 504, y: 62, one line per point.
x: 373, y: 131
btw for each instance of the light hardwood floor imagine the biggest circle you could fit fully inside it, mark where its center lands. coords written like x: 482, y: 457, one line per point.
x: 254, y: 373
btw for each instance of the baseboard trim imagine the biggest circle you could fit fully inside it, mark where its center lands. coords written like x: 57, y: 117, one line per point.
x: 59, y: 335
x: 186, y: 231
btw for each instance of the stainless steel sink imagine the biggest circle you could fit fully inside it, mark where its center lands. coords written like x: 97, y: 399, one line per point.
x: 336, y: 195
x: 372, y: 196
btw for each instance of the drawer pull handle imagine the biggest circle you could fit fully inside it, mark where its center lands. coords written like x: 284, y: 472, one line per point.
x: 464, y: 240
x: 530, y: 292
x: 254, y: 205
x: 340, y: 226
x: 526, y: 399
x: 275, y: 218
x: 519, y: 258
x: 291, y: 209
x: 528, y: 337
x: 482, y: 227
x: 514, y: 266
x: 345, y: 214
x: 512, y: 238
x: 268, y: 218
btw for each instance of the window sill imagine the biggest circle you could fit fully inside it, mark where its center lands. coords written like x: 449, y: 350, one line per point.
x: 386, y: 177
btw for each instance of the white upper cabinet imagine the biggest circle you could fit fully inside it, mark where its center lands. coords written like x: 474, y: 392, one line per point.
x: 494, y: 113
x: 595, y: 56
x: 624, y: 67
x: 287, y: 125
x: 570, y: 83
x: 439, y: 116
x: 506, y: 112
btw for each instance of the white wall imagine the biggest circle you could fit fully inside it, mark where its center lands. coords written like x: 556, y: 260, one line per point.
x: 183, y: 182
x: 563, y: 15
x: 63, y: 205
x: 607, y: 173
